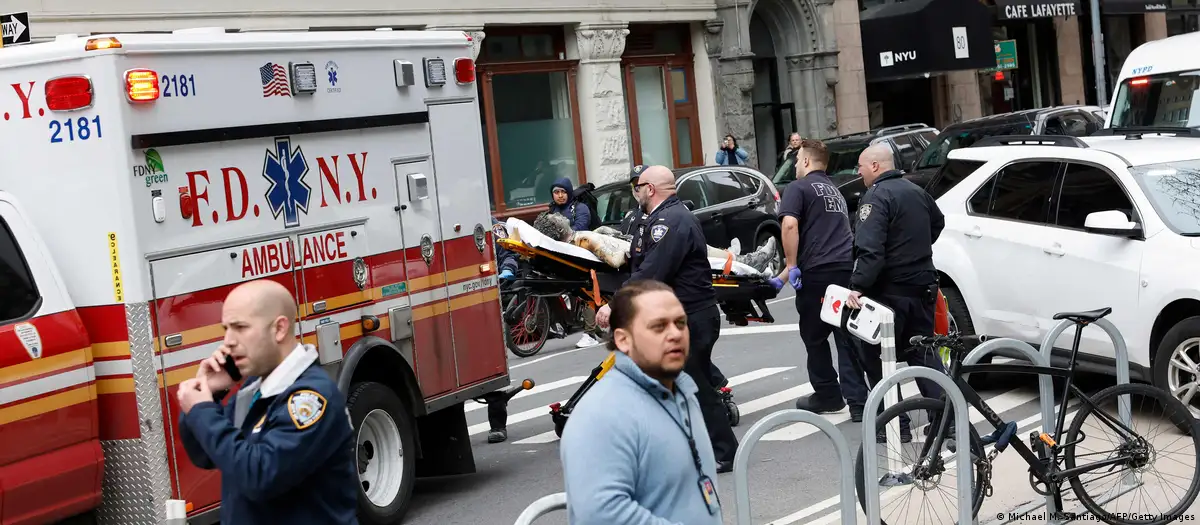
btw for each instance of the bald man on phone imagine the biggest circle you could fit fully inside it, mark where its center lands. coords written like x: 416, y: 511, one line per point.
x: 284, y: 444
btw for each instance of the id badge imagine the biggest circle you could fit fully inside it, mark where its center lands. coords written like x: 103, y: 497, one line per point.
x: 710, y: 495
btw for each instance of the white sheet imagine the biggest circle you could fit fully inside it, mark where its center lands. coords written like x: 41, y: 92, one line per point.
x: 531, y: 237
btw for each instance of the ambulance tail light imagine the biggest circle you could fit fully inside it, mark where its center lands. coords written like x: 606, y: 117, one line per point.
x: 141, y: 85
x: 69, y: 93
x: 99, y: 44
x: 464, y: 70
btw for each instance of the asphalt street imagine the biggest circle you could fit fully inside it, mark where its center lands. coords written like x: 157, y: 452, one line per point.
x: 793, y: 474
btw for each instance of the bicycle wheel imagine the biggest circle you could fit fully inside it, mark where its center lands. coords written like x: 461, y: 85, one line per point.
x: 1154, y: 437
x: 526, y: 338
x: 936, y: 485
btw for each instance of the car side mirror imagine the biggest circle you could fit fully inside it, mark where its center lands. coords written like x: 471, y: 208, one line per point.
x: 1111, y: 222
x: 690, y: 205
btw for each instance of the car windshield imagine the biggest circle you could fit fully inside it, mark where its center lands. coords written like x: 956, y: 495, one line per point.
x: 1166, y: 100
x: 951, y: 139
x: 843, y: 158
x: 1174, y: 190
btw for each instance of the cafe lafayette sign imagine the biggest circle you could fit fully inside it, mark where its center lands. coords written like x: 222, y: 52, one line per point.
x: 1026, y: 9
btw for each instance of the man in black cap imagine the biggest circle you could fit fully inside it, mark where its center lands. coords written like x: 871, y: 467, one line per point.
x: 629, y: 226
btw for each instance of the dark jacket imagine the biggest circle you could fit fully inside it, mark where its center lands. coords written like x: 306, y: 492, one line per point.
x: 577, y: 212
x: 287, y: 458
x: 669, y: 246
x: 505, y: 259
x: 898, y: 222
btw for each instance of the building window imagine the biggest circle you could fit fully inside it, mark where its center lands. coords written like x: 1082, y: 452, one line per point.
x: 660, y: 96
x: 530, y: 117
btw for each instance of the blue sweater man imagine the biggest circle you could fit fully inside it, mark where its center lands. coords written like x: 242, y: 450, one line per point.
x: 636, y: 451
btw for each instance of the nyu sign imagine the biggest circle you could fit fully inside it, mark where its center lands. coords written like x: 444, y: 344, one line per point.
x: 890, y: 58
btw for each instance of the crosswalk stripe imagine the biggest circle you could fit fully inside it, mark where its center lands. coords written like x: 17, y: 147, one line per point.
x: 550, y: 436
x: 537, y: 389
x: 801, y: 430
x: 513, y: 419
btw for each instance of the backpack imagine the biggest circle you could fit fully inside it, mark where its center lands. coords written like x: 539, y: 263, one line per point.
x: 584, y: 194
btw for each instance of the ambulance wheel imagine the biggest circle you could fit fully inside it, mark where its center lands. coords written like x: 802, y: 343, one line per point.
x: 386, y: 452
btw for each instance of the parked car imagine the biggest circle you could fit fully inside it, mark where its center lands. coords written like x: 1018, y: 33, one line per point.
x: 907, y: 143
x: 732, y: 202
x: 1076, y: 224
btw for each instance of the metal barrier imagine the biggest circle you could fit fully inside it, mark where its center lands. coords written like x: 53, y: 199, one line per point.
x: 741, y: 461
x: 1130, y: 480
x: 543, y: 506
x: 961, y: 427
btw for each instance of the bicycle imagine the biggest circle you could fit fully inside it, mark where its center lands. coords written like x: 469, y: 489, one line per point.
x: 1052, y: 459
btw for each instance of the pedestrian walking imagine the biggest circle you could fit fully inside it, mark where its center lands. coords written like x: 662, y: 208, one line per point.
x: 284, y: 444
x: 565, y: 204
x: 818, y: 246
x: 669, y: 247
x: 898, y: 222
x: 634, y: 452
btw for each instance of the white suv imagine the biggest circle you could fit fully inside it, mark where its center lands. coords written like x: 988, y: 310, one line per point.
x: 1087, y: 223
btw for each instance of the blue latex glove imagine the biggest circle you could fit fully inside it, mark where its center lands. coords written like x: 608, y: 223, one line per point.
x: 776, y: 283
x: 507, y: 274
x: 794, y: 277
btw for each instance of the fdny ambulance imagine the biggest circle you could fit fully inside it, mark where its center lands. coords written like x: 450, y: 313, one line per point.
x: 145, y: 175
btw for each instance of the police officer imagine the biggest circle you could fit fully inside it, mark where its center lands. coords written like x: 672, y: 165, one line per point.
x: 284, y: 444
x: 629, y: 227
x: 669, y: 246
x: 898, y: 222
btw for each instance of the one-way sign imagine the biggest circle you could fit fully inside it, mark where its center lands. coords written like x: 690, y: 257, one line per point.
x: 16, y: 28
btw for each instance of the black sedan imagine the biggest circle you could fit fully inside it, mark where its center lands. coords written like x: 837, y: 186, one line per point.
x: 732, y: 202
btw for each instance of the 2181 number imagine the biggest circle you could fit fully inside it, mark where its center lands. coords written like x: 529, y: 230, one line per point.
x: 77, y: 129
x: 178, y: 85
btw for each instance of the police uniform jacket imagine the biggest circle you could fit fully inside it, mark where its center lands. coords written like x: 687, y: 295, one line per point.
x: 898, y: 222
x: 669, y: 246
x: 284, y: 446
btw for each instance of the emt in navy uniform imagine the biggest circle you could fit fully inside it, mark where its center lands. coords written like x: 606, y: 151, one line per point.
x: 669, y: 247
x: 898, y: 222
x: 284, y: 443
x: 818, y: 245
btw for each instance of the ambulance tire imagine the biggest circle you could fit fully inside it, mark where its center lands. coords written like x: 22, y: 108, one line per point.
x: 377, y: 401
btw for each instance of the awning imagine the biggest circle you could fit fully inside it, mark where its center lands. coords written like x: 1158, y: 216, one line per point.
x: 1137, y: 7
x: 909, y: 39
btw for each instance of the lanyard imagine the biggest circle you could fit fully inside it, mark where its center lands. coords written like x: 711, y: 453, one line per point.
x: 687, y: 433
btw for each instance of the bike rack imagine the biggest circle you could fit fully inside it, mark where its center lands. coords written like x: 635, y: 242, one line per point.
x: 961, y: 425
x: 541, y: 507
x: 1129, y: 481
x: 741, y: 460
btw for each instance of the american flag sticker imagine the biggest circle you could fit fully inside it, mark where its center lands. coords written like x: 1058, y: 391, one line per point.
x: 274, y: 80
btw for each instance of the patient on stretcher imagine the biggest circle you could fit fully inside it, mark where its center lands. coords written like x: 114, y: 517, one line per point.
x: 612, y: 246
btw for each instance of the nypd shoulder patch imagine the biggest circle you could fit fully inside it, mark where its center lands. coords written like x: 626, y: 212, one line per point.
x: 658, y: 231
x: 499, y: 231
x: 306, y: 408
x: 864, y: 212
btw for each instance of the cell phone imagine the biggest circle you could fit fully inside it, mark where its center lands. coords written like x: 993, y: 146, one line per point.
x: 231, y: 369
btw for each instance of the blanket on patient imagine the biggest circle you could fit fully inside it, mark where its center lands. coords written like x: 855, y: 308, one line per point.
x: 611, y: 247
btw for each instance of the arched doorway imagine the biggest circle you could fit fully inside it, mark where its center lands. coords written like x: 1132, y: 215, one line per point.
x: 774, y: 111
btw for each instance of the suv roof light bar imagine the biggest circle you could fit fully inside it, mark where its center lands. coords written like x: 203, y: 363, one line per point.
x: 1136, y: 132
x: 902, y: 127
x: 1030, y: 140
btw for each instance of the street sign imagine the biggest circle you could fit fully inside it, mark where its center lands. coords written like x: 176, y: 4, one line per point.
x: 1006, y: 56
x: 16, y: 28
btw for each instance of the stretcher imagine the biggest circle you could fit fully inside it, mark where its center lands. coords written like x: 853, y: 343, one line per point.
x: 742, y: 292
